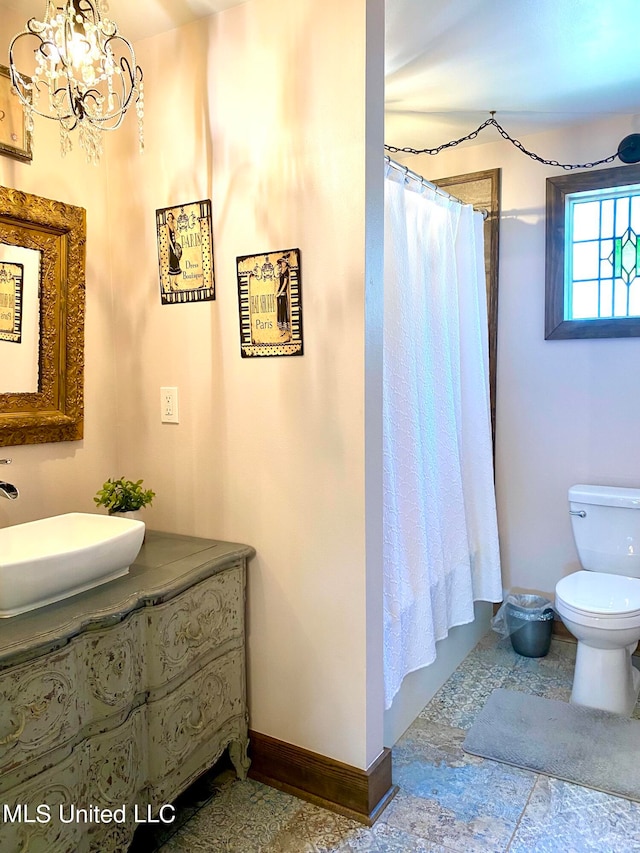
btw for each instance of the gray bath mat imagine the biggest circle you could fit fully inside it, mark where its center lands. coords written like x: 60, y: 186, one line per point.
x: 582, y: 745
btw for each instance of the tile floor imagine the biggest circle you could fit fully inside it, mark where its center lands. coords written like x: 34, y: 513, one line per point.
x: 448, y: 801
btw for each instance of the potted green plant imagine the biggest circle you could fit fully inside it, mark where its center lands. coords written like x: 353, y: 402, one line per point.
x: 123, y: 496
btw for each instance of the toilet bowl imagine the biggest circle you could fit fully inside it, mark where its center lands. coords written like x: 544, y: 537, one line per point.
x: 602, y: 611
x: 600, y: 605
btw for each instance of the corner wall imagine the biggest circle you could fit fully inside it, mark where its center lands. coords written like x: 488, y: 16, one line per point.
x: 263, y: 109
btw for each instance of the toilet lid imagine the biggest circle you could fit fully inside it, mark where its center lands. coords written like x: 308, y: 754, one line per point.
x: 600, y: 593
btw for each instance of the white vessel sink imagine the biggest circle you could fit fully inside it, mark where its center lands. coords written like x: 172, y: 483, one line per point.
x: 53, y: 558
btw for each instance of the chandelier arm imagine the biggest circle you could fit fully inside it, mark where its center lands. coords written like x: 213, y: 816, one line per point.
x: 84, y: 6
x: 125, y: 65
x: 58, y: 97
x: 34, y: 27
x: 45, y: 44
x: 134, y: 81
x: 79, y: 100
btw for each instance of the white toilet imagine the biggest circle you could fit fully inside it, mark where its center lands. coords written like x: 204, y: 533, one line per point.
x: 601, y: 605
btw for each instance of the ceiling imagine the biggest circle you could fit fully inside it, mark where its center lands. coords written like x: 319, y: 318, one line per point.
x: 538, y: 63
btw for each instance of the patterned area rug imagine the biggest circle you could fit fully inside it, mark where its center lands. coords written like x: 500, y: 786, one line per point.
x: 593, y: 748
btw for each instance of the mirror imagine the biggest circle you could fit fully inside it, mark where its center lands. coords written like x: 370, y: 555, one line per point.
x: 42, y: 292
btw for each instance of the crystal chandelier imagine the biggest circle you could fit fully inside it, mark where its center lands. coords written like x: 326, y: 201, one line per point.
x: 86, y: 76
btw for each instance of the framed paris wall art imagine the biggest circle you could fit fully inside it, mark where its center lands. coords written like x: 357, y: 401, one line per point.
x: 11, y: 279
x: 270, y: 301
x: 185, y: 253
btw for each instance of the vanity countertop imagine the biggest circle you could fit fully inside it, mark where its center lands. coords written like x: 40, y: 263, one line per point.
x: 168, y: 563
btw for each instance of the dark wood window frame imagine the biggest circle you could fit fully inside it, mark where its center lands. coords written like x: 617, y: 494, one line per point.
x: 556, y: 327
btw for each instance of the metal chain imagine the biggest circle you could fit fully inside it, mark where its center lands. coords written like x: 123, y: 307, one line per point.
x: 505, y: 135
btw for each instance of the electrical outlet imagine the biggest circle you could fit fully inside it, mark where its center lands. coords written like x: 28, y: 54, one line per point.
x: 169, y: 406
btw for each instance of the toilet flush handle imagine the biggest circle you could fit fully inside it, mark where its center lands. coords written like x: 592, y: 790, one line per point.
x: 579, y: 512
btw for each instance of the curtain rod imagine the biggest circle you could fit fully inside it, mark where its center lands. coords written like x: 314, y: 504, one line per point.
x: 414, y: 176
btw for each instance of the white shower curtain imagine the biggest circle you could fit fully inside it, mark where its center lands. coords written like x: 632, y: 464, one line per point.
x: 440, y: 528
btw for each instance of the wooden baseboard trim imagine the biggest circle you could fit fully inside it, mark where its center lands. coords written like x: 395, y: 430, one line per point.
x: 359, y: 794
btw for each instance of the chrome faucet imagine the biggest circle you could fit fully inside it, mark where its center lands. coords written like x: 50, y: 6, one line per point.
x: 7, y: 490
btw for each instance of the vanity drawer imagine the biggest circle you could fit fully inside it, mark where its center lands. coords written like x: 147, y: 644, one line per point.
x: 188, y: 720
x: 58, y: 788
x: 193, y: 624
x: 117, y: 763
x: 38, y: 708
x: 117, y: 777
x: 112, y: 663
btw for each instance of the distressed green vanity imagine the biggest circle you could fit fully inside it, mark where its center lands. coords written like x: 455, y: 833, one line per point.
x: 115, y: 700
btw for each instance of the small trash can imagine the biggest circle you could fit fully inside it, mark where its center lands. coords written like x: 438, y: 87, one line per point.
x: 530, y: 625
x: 528, y: 621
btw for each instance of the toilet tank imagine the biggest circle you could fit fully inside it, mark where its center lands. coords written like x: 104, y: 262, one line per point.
x: 606, y: 528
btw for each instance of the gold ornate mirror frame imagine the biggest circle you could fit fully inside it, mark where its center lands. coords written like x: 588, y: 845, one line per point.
x: 58, y: 232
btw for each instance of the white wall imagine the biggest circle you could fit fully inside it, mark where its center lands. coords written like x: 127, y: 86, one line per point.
x: 567, y: 411
x: 262, y: 109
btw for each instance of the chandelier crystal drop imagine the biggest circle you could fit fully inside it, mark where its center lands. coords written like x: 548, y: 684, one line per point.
x: 86, y: 76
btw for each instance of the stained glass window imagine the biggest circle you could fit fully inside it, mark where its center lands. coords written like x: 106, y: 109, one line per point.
x: 602, y: 257
x: 592, y: 270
